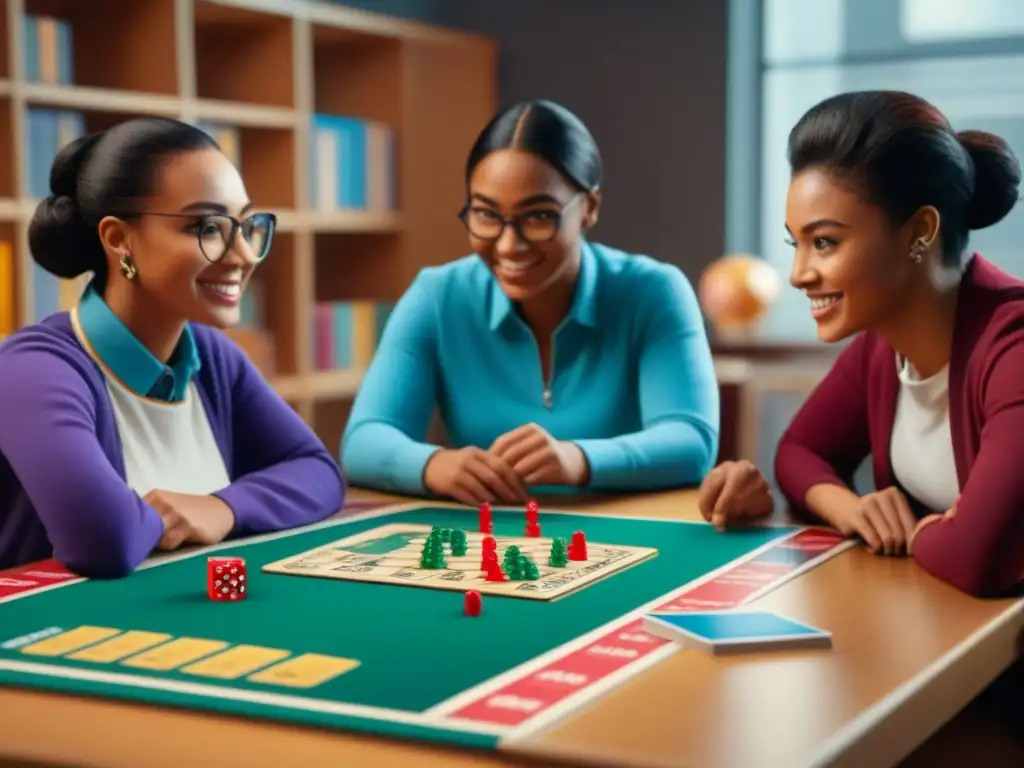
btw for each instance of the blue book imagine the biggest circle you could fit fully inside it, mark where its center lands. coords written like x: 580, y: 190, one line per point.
x: 352, y: 162
x: 30, y: 39
x: 43, y: 143
x: 45, y: 292
x: 719, y: 632
x: 66, y: 74
x: 343, y: 330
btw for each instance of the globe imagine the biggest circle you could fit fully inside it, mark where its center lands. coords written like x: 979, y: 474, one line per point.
x: 737, y: 290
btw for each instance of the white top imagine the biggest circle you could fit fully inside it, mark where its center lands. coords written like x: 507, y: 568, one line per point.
x: 167, y: 446
x: 921, y: 450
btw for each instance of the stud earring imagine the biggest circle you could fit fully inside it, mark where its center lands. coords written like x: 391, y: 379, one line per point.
x: 917, y: 251
x: 128, y: 268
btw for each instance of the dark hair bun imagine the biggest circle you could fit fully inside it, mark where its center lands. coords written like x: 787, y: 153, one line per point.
x: 997, y: 178
x: 58, y: 235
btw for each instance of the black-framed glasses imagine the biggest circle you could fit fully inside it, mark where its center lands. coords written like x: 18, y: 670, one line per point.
x: 537, y: 226
x: 216, y: 232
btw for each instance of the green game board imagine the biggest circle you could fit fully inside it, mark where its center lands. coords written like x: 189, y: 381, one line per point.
x: 414, y: 647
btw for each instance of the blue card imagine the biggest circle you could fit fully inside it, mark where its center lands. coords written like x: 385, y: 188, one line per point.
x: 736, y: 631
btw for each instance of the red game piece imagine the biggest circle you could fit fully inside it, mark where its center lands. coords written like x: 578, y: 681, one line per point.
x: 532, y: 511
x: 490, y: 553
x: 493, y: 572
x: 578, y: 547
x: 226, y: 579
x: 532, y: 518
x: 486, y: 518
x: 472, y: 603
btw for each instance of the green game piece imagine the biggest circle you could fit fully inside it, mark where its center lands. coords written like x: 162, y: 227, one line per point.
x: 559, y: 557
x: 529, y: 570
x: 524, y: 569
x: 432, y: 556
x: 510, y: 563
x: 459, y: 542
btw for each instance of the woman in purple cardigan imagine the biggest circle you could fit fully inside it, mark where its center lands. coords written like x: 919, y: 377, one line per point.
x: 129, y: 424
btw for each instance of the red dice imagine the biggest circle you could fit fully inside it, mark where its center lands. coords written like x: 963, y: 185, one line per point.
x: 226, y: 579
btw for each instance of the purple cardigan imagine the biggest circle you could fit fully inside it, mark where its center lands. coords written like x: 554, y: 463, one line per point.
x: 63, y: 492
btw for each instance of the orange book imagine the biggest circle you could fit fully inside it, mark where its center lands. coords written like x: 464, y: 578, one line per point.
x: 364, y: 333
x: 49, y: 58
x: 7, y: 320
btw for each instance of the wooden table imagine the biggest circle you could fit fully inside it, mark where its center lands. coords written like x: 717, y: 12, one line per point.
x: 909, y: 652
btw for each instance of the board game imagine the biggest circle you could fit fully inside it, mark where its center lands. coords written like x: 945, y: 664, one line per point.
x: 390, y: 554
x: 339, y: 653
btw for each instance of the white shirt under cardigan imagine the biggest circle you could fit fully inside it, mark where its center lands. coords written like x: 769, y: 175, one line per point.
x: 921, y: 449
x: 166, y: 446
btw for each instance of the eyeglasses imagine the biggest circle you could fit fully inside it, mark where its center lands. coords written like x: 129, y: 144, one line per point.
x: 216, y: 232
x: 537, y: 226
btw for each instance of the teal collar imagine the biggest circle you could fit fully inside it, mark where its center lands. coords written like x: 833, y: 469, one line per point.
x: 583, y: 310
x: 129, y: 360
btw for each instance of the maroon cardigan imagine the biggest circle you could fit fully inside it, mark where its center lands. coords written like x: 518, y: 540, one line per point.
x: 851, y: 415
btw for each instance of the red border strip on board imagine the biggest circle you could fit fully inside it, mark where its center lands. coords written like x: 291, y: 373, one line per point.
x: 46, y: 573
x: 28, y: 578
x: 581, y: 668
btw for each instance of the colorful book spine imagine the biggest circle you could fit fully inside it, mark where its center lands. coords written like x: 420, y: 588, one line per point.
x: 49, y: 130
x: 346, y: 333
x: 351, y: 164
x: 229, y: 140
x: 8, y: 321
x: 252, y: 305
x: 49, y: 54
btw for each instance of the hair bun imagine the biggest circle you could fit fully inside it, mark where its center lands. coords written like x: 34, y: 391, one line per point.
x: 997, y: 178
x: 59, y: 240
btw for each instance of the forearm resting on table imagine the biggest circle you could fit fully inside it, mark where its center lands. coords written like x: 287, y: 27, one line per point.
x: 831, y: 502
x: 381, y: 456
x: 663, y: 456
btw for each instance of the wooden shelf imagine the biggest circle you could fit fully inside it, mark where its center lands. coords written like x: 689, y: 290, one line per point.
x: 244, y: 55
x: 121, y: 103
x: 267, y: 70
x: 320, y: 386
x: 241, y: 114
x: 124, y: 45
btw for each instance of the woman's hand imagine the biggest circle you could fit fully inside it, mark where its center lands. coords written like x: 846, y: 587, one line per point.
x: 537, y: 458
x: 883, y: 519
x: 190, y: 519
x: 472, y: 476
x: 924, y: 522
x: 735, y: 493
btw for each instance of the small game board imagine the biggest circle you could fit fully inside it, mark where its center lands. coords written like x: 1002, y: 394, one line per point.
x: 390, y: 554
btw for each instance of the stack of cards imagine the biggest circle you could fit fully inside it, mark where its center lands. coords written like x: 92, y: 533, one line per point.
x: 721, y: 632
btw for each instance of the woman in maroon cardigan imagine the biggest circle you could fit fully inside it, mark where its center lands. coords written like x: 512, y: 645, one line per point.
x: 882, y: 196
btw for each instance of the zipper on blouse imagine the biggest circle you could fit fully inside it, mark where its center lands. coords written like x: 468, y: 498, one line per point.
x: 548, y: 398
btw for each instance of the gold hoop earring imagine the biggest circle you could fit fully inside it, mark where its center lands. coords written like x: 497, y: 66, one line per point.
x: 128, y: 268
x: 918, y: 251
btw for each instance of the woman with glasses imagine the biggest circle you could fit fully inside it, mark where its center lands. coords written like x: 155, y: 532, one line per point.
x: 131, y: 423
x: 554, y: 362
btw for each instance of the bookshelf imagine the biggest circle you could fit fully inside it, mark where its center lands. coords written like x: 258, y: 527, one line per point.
x: 293, y: 87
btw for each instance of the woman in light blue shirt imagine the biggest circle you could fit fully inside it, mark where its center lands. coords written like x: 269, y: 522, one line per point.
x: 554, y: 362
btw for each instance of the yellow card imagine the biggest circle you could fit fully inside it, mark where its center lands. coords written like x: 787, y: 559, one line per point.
x: 235, y: 662
x: 116, y: 648
x: 69, y: 641
x: 175, y: 653
x: 306, y: 671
